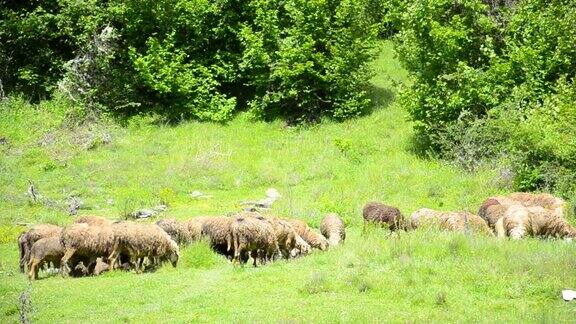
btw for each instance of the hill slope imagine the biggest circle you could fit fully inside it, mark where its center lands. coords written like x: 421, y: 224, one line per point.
x: 329, y: 167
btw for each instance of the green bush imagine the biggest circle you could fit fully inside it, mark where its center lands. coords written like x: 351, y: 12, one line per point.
x: 292, y: 59
x: 492, y: 79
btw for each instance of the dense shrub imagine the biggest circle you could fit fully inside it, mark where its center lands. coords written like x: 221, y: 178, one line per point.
x: 493, y: 78
x: 203, y: 59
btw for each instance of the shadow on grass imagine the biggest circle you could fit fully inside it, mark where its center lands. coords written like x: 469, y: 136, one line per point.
x: 381, y: 98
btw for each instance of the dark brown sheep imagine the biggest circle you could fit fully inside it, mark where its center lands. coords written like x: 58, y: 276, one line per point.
x: 178, y: 231
x: 44, y: 251
x: 252, y: 236
x: 383, y: 215
x: 492, y: 209
x: 217, y: 230
x: 332, y: 227
x: 315, y: 240
x: 27, y: 239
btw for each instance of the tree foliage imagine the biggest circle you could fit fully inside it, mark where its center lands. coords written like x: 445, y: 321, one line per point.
x: 293, y: 59
x: 510, y: 64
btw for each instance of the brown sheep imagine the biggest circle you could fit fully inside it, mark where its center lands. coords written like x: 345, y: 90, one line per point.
x: 285, y: 234
x: 493, y: 208
x: 520, y: 221
x: 451, y: 221
x: 383, y: 215
x: 140, y: 241
x: 44, y: 251
x: 27, y: 239
x: 332, y: 227
x: 93, y: 220
x: 315, y: 240
x: 178, y: 231
x: 90, y: 242
x: 194, y: 226
x: 250, y: 235
x: 217, y: 230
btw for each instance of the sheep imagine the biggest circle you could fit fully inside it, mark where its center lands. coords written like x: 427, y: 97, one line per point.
x: 332, y: 227
x: 178, y: 231
x: 451, y: 221
x: 141, y: 241
x: 217, y: 230
x: 250, y: 235
x: 94, y: 220
x: 285, y: 234
x: 315, y: 240
x: 27, y: 239
x: 377, y: 213
x: 547, y: 201
x: 493, y: 209
x: 194, y: 226
x: 90, y: 242
x: 44, y: 251
x: 537, y: 221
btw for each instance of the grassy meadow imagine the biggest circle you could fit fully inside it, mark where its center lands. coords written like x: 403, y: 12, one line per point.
x: 329, y: 167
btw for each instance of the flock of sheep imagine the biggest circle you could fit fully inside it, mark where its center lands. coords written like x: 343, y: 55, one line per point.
x: 93, y: 244
x: 517, y: 215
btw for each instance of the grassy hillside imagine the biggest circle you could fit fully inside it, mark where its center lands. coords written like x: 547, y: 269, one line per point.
x: 328, y: 167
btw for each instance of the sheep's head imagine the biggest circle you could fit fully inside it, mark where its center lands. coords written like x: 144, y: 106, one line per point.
x: 174, y: 254
x: 322, y: 243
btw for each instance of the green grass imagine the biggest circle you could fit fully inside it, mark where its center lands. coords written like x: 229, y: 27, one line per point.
x: 420, y: 276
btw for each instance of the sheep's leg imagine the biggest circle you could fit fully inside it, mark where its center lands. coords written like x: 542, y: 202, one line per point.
x: 22, y: 248
x: 33, y: 266
x: 499, y: 228
x: 254, y: 254
x: 64, y: 262
x: 113, y: 258
x: 27, y: 249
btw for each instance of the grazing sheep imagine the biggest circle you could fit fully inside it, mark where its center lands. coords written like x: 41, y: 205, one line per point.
x: 520, y: 221
x: 332, y: 227
x: 90, y: 242
x: 27, y: 239
x: 377, y: 213
x: 178, y: 231
x: 217, y: 230
x: 250, y: 235
x: 285, y: 234
x: 93, y: 220
x: 140, y: 241
x: 315, y: 240
x: 451, y: 221
x: 547, y: 201
x: 44, y: 251
x: 194, y: 226
x: 493, y: 209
